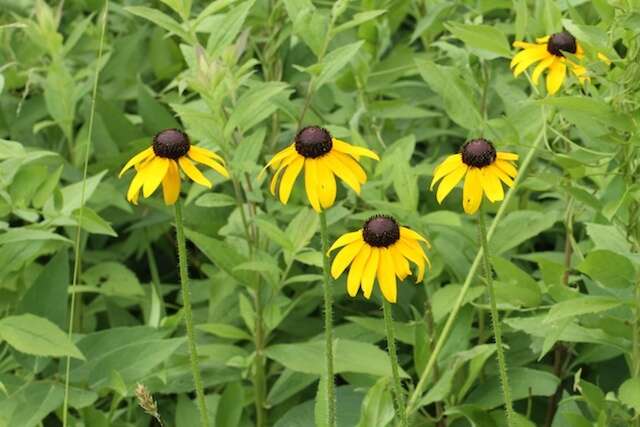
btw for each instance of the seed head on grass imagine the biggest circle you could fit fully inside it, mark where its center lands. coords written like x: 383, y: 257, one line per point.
x: 146, y: 402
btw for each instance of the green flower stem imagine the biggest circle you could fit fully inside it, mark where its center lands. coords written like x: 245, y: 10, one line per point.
x: 412, y: 404
x: 260, y: 385
x: 398, y: 392
x: 77, y: 262
x: 328, y: 322
x: 188, y: 315
x: 495, y: 320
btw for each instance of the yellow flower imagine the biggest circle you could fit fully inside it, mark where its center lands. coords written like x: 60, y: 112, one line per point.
x: 161, y: 163
x: 484, y: 169
x: 322, y: 157
x: 380, y: 249
x: 549, y: 51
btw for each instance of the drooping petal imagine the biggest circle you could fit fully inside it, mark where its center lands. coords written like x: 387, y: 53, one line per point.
x: 207, y: 153
x: 604, y: 58
x: 408, y: 233
x: 345, y: 239
x: 506, y: 167
x: 387, y: 276
x: 472, y: 191
x: 529, y: 57
x: 525, y: 45
x: 369, y: 273
x: 352, y: 164
x: 135, y: 186
x: 354, y: 150
x: 543, y: 65
x: 155, y: 173
x: 502, y: 175
x: 193, y: 172
x: 491, y: 185
x: 503, y: 155
x: 283, y: 165
x: 400, y: 262
x: 557, y: 73
x: 213, y: 164
x: 450, y: 164
x: 311, y: 183
x: 416, y: 256
x: 171, y: 184
x: 450, y: 181
x: 289, y: 178
x: 279, y: 157
x: 344, y: 258
x: 326, y: 184
x: 342, y: 171
x: 357, y: 269
x: 138, y: 158
x: 543, y: 39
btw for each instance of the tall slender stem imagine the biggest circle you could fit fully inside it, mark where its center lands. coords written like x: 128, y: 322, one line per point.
x: 417, y: 392
x: 328, y: 322
x: 188, y: 315
x: 398, y: 392
x: 495, y: 320
x: 259, y: 375
x: 78, y: 241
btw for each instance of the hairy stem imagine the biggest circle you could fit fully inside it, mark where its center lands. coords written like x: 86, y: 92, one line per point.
x: 398, y: 392
x: 328, y: 322
x: 188, y: 316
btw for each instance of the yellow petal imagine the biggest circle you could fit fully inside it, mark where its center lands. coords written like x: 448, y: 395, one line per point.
x: 135, y: 186
x: 208, y: 153
x: 342, y: 171
x: 604, y: 58
x: 201, y: 158
x: 171, y: 184
x: 543, y: 65
x: 387, y: 276
x: 369, y: 272
x: 414, y: 254
x: 502, y: 175
x: 525, y: 45
x: 344, y: 258
x: 408, y: 233
x: 283, y: 165
x: 138, y: 158
x: 556, y: 76
x: 506, y: 167
x: 356, y: 270
x: 450, y: 164
x: 279, y: 157
x: 472, y: 191
x: 289, y: 178
x: 354, y: 150
x: 345, y: 239
x: 193, y: 172
x: 154, y: 173
x: 544, y: 39
x: 491, y: 185
x: 503, y: 155
x: 311, y: 183
x: 450, y: 181
x: 401, y: 263
x: 528, y: 57
x: 352, y: 164
x: 326, y: 184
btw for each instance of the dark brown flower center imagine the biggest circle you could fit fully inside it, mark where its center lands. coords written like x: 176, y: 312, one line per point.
x: 313, y: 141
x: 478, y: 153
x: 561, y: 42
x: 171, y: 143
x: 381, y: 231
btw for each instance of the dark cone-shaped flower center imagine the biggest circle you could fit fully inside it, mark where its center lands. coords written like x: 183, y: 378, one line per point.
x: 171, y: 143
x: 478, y: 153
x: 313, y: 141
x: 381, y: 231
x: 561, y: 42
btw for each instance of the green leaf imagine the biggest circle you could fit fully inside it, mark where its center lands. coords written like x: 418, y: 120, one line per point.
x: 59, y: 96
x: 225, y: 331
x: 629, y: 393
x: 112, y: 278
x: 334, y: 62
x: 228, y: 28
x: 37, y: 336
x: 585, y: 304
x: 320, y: 409
x: 609, y: 268
x: 522, y: 16
x: 274, y: 233
x: 581, y: 109
x: 93, y: 223
x: 358, y: 19
x: 377, y: 406
x: 552, y: 17
x: 72, y: 194
x: 161, y: 19
x: 515, y: 286
x: 489, y: 41
x: 22, y: 234
x: 230, y: 406
x: 155, y: 116
x: 215, y: 200
x: 459, y: 100
x: 254, y: 106
x: 518, y: 227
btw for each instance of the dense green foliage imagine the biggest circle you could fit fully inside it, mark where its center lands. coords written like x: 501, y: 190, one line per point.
x: 410, y: 79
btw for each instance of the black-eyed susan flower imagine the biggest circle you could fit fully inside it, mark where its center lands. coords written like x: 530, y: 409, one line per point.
x: 549, y: 52
x: 323, y: 158
x: 161, y: 163
x: 381, y: 249
x: 482, y: 168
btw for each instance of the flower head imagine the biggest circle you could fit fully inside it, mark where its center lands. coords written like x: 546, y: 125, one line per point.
x: 323, y: 158
x: 381, y: 249
x: 484, y: 168
x: 161, y: 163
x: 550, y: 52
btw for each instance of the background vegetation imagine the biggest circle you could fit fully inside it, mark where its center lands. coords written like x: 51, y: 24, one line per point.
x: 410, y: 79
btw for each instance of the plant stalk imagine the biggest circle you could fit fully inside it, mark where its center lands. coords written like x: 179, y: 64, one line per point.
x: 328, y: 322
x: 398, y: 392
x: 495, y: 320
x: 188, y: 316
